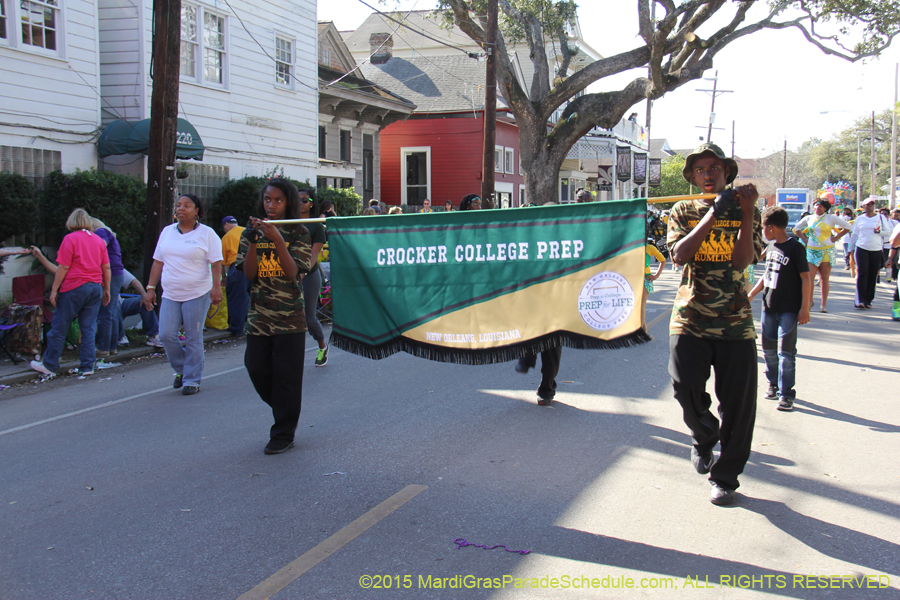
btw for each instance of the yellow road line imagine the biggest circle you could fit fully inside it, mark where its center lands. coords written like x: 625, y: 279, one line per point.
x: 658, y: 318
x: 307, y: 561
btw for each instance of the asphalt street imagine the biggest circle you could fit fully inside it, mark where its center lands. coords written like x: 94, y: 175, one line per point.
x: 118, y: 487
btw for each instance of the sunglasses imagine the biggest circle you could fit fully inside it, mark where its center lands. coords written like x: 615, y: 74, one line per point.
x: 304, y: 200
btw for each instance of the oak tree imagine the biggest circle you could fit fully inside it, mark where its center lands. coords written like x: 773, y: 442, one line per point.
x: 674, y: 48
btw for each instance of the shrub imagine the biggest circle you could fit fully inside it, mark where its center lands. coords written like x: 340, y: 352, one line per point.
x: 18, y: 205
x: 117, y: 200
x: 347, y: 203
x: 238, y: 198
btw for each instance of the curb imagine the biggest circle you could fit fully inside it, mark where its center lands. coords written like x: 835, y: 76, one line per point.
x: 27, y: 374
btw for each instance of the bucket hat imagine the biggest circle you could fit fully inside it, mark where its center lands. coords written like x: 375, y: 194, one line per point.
x: 715, y: 151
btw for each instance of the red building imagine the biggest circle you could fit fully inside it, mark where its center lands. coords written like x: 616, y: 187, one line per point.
x: 437, y: 152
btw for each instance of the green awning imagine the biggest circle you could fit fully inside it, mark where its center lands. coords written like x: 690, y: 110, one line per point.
x: 133, y: 137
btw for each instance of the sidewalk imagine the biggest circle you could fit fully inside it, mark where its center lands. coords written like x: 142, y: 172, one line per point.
x: 11, y: 374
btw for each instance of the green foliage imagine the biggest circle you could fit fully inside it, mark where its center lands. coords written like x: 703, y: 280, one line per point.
x: 117, y: 200
x: 347, y: 203
x: 239, y: 198
x: 672, y: 183
x: 836, y: 159
x: 18, y: 205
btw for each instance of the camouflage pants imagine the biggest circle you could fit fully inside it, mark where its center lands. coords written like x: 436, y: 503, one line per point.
x: 735, y: 367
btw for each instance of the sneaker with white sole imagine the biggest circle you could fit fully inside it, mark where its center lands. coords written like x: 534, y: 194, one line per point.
x: 123, y: 341
x: 153, y: 340
x: 40, y: 368
x: 322, y: 356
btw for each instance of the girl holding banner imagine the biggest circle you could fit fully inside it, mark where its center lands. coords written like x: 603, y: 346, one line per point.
x: 275, y: 258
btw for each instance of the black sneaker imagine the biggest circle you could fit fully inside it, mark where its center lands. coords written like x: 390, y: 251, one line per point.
x: 701, y: 462
x: 190, y: 390
x: 772, y: 394
x: 179, y: 380
x: 322, y: 356
x: 278, y: 446
x: 786, y: 405
x: 522, y: 367
x: 721, y: 496
x: 545, y: 400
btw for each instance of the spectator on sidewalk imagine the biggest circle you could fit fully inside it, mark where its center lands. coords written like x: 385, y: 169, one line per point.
x: 237, y: 287
x: 188, y: 261
x: 80, y: 288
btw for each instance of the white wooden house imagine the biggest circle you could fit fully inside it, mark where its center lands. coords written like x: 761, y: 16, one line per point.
x: 248, y: 85
x: 49, y: 86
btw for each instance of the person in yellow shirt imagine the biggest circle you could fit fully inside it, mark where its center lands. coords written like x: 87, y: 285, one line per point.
x: 650, y: 252
x: 237, y: 286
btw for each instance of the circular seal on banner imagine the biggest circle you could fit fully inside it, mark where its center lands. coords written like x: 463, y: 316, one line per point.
x: 606, y: 301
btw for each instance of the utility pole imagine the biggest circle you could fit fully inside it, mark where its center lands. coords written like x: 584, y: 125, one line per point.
x: 712, y: 111
x: 858, y: 169
x: 872, y: 166
x: 166, y: 67
x: 893, y: 203
x: 732, y: 139
x: 490, y: 109
x: 784, y: 166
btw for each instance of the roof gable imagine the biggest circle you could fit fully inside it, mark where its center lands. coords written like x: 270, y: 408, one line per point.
x: 339, y: 56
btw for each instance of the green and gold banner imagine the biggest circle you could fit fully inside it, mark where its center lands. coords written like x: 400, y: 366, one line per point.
x: 485, y: 286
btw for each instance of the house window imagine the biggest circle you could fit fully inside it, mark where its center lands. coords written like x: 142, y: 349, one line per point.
x: 2, y: 19
x: 204, y: 181
x: 189, y: 41
x: 498, y: 159
x: 30, y: 162
x: 326, y: 57
x: 322, y: 134
x: 207, y: 51
x: 510, y: 159
x: 345, y: 145
x: 39, y: 20
x: 284, y: 62
x: 214, y: 47
x: 522, y: 196
x: 415, y: 164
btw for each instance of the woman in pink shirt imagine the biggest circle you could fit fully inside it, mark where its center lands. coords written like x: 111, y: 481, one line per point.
x: 80, y: 286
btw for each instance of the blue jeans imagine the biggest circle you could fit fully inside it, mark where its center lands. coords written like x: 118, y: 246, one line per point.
x: 187, y: 361
x: 237, y: 291
x: 131, y: 305
x: 84, y: 303
x: 107, y: 319
x: 779, y: 341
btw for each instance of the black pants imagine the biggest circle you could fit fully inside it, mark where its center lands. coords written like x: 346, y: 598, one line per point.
x: 550, y: 360
x: 237, y: 290
x: 275, y: 366
x: 868, y: 263
x: 736, y: 372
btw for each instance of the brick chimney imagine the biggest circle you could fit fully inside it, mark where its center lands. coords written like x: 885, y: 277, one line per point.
x: 380, y: 46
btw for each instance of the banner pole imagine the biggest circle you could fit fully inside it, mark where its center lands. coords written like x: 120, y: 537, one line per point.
x: 662, y: 199
x: 288, y: 221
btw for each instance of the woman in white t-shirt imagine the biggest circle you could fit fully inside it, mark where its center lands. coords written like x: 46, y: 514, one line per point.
x: 819, y: 232
x: 866, y: 243
x: 188, y: 259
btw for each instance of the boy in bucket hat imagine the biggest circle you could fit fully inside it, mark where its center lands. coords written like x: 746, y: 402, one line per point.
x: 712, y: 321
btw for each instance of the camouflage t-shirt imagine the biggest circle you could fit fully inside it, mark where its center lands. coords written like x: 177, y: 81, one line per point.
x: 276, y: 302
x: 711, y: 301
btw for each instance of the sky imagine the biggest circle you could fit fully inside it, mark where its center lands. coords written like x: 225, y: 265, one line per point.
x: 783, y: 89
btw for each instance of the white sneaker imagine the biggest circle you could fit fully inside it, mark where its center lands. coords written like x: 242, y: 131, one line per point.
x: 123, y: 341
x: 40, y: 368
x: 153, y: 340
